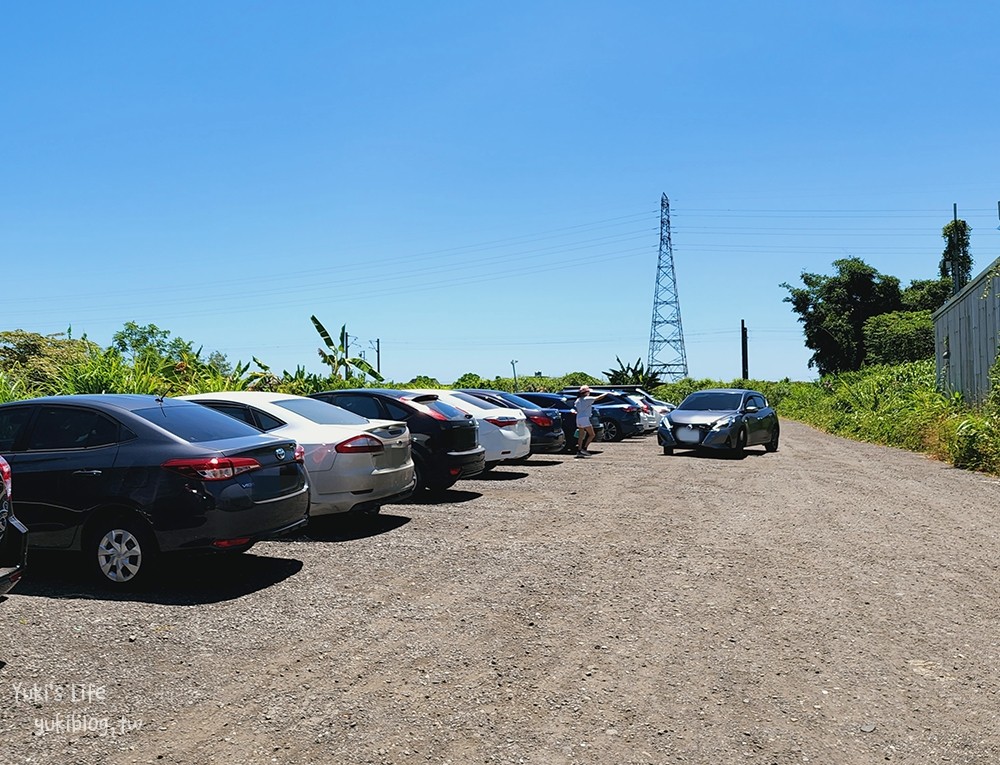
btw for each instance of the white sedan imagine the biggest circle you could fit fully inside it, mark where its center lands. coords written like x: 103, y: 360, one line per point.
x: 354, y: 464
x: 503, y: 432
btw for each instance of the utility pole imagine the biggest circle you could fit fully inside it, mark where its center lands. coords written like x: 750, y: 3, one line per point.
x: 513, y: 366
x: 743, y: 343
x: 955, y: 281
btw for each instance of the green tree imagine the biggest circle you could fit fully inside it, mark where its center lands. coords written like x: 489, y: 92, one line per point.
x: 471, y: 380
x: 833, y: 311
x: 899, y: 337
x: 926, y: 294
x: 423, y: 381
x: 633, y: 374
x: 956, y: 260
x: 336, y: 356
x: 37, y: 360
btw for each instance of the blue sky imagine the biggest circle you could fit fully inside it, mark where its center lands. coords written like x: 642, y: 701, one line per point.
x: 470, y: 183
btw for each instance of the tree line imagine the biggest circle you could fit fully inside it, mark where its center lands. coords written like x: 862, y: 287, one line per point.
x: 858, y: 316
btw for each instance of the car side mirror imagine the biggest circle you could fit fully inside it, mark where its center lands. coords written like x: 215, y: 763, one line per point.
x: 750, y: 409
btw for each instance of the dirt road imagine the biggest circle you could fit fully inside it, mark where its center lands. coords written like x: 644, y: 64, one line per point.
x: 832, y: 602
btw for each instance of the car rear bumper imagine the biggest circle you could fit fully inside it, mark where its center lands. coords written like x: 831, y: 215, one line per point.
x: 359, y: 502
x: 13, y: 554
x: 548, y: 442
x: 262, y: 520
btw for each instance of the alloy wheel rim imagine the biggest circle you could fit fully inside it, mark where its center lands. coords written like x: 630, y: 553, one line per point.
x: 119, y: 555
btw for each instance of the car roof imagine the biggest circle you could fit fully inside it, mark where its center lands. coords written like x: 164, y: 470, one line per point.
x: 726, y: 390
x: 245, y: 396
x: 129, y: 402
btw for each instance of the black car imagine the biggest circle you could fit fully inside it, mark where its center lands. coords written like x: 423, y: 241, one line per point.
x: 13, y: 535
x: 547, y: 432
x: 445, y: 442
x: 564, y: 405
x: 124, y: 478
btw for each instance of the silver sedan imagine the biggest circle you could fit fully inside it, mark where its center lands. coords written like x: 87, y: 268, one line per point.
x: 354, y: 464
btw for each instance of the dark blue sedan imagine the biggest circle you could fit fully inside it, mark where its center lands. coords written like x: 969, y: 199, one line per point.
x: 124, y: 478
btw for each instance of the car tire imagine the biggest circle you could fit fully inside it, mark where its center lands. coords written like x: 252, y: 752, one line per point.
x: 741, y: 442
x: 772, y: 445
x: 668, y: 450
x: 419, y: 475
x: 121, y: 551
x: 612, y: 431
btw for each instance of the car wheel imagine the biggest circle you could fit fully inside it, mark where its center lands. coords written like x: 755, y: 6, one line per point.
x: 741, y: 442
x: 419, y: 475
x: 668, y: 450
x: 772, y: 445
x: 612, y: 431
x: 121, y: 550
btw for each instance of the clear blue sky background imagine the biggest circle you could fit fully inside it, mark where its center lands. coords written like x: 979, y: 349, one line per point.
x: 475, y: 183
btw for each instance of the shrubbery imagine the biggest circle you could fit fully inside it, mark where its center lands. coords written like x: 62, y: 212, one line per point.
x: 896, y: 405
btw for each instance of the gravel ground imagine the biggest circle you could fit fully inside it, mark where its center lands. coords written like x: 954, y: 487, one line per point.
x: 832, y: 602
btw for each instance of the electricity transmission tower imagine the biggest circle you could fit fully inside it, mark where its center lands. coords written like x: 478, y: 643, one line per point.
x: 667, y: 357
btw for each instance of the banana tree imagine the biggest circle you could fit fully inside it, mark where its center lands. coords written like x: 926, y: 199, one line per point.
x: 337, y: 358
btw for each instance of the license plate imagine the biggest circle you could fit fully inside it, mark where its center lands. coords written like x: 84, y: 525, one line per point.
x: 687, y: 435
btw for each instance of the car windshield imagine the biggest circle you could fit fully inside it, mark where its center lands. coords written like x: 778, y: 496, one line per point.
x: 196, y: 423
x: 321, y: 412
x: 714, y: 401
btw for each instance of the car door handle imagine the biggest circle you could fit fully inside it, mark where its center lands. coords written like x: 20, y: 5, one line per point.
x: 87, y: 472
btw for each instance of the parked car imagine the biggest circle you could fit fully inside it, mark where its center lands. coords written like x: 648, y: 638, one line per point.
x: 354, y: 464
x: 567, y: 413
x: 659, y: 407
x: 503, y: 431
x: 445, y: 441
x: 547, y: 434
x: 724, y: 418
x: 620, y: 416
x: 647, y: 415
x: 124, y: 478
x: 13, y: 535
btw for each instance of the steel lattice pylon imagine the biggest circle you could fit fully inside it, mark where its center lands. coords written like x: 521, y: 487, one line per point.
x: 667, y: 356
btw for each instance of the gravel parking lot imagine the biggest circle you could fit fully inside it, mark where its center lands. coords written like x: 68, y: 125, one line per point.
x: 832, y: 602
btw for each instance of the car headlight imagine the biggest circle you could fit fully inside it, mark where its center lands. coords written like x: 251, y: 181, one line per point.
x: 725, y: 422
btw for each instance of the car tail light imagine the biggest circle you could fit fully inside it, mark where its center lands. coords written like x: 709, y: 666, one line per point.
x: 224, y: 544
x: 212, y: 468
x: 541, y: 420
x: 300, y: 453
x: 5, y: 473
x: 360, y: 445
x: 646, y: 409
x: 631, y: 409
x: 502, y: 422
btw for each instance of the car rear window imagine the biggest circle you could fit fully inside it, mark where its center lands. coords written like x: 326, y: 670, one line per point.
x: 321, y: 412
x: 445, y: 410
x: 196, y: 423
x: 520, y: 402
x: 472, y: 400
